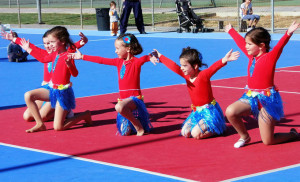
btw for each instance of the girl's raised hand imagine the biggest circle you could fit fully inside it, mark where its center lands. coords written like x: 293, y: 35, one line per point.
x: 230, y: 56
x: 84, y: 39
x: 228, y: 27
x: 68, y: 60
x: 154, y: 56
x: 7, y: 36
x: 76, y: 55
x: 292, y: 28
x: 25, y: 45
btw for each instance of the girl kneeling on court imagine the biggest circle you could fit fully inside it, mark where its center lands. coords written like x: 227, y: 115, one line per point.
x: 207, y: 118
x: 132, y: 116
x: 261, y: 97
x: 59, y: 89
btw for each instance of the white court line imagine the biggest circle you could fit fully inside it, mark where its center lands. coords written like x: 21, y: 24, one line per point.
x: 288, y: 71
x: 287, y: 92
x: 98, y: 162
x: 262, y: 173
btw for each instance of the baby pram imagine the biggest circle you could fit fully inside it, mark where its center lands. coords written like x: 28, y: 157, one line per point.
x: 187, y: 18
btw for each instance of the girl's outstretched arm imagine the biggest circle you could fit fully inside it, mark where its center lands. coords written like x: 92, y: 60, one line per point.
x: 294, y: 26
x: 7, y: 36
x: 71, y: 65
x: 154, y: 57
x: 25, y: 45
x: 239, y: 40
x: 83, y: 39
x: 168, y: 62
x: 228, y: 27
x: 76, y: 55
x: 230, y: 56
x: 94, y: 59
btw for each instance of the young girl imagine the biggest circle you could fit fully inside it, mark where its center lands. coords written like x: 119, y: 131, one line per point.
x: 246, y: 13
x: 114, y: 18
x: 59, y: 89
x: 207, y: 118
x: 261, y: 98
x: 46, y: 111
x: 132, y: 113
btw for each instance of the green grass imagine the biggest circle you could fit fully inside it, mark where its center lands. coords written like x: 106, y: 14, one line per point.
x: 73, y: 19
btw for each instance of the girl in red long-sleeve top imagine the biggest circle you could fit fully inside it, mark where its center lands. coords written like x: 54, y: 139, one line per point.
x: 207, y: 118
x: 132, y: 113
x: 261, y: 98
x: 59, y: 89
x: 46, y: 111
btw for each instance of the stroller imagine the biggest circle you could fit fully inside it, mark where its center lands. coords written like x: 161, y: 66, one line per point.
x: 187, y: 18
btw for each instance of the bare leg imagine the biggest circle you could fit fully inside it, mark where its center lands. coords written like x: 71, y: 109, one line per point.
x: 27, y: 116
x: 255, y: 22
x: 61, y: 124
x: 30, y: 98
x: 266, y: 128
x: 234, y: 113
x: 250, y: 23
x: 125, y: 108
x: 186, y: 129
x: 198, y: 134
x: 47, y: 112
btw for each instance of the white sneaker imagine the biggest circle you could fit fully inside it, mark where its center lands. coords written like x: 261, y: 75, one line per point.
x: 248, y: 29
x: 241, y: 142
x: 70, y: 114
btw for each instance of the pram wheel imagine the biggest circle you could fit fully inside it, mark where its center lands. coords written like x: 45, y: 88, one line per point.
x: 188, y: 30
x: 179, y: 30
x: 195, y: 30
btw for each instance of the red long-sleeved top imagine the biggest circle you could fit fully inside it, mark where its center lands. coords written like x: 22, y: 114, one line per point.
x: 130, y: 84
x: 200, y: 90
x: 263, y: 74
x: 39, y: 54
x: 62, y: 73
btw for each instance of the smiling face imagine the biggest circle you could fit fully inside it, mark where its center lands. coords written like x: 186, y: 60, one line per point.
x: 56, y: 44
x: 47, y: 44
x: 187, y: 68
x: 121, y: 50
x: 253, y: 49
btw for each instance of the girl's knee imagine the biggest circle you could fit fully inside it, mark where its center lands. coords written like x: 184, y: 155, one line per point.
x: 119, y: 108
x: 28, y: 96
x: 267, y: 141
x: 58, y: 128
x: 230, y: 112
x: 196, y: 132
x: 27, y: 116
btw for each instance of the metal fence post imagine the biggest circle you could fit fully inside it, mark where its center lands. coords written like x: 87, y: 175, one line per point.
x: 19, y: 18
x: 38, y: 4
x: 81, y: 21
x: 272, y: 14
x: 153, y: 26
x: 238, y: 15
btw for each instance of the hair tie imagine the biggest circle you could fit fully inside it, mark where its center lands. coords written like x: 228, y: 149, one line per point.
x: 126, y: 39
x: 200, y: 56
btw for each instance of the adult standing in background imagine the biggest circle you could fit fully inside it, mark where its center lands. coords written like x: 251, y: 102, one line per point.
x: 138, y: 15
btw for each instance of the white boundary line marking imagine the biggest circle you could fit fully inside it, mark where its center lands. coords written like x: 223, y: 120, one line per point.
x: 98, y: 162
x: 288, y: 71
x: 287, y: 92
x: 262, y: 173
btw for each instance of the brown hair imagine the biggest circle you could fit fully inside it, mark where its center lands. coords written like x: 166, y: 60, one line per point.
x: 113, y: 2
x: 14, y: 34
x: 129, y: 40
x: 193, y: 56
x: 62, y: 34
x: 260, y: 35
